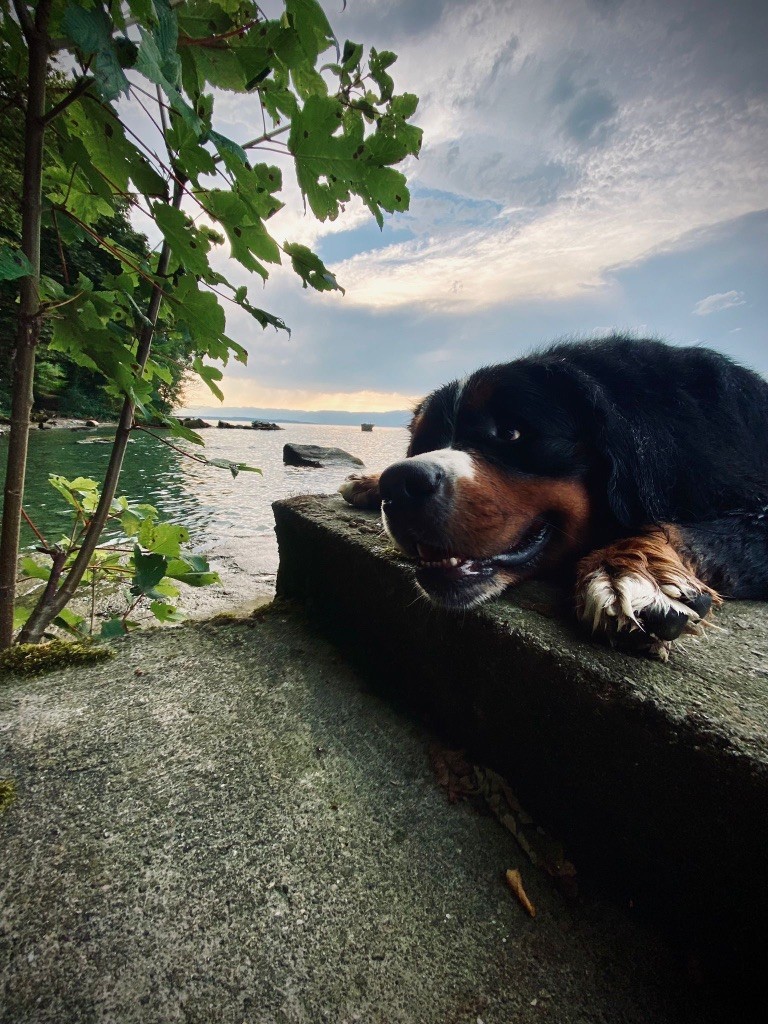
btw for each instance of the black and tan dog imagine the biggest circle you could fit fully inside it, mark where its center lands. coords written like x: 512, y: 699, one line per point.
x: 637, y: 469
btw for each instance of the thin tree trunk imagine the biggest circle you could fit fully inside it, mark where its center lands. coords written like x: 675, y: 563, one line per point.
x: 23, y: 360
x: 46, y: 610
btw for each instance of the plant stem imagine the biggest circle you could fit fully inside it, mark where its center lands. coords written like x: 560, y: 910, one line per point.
x: 45, y: 612
x: 23, y: 359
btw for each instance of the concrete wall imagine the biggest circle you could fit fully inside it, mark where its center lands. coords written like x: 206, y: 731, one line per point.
x: 654, y: 776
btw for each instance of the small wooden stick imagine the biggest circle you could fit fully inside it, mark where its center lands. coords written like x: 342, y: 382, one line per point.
x: 515, y: 883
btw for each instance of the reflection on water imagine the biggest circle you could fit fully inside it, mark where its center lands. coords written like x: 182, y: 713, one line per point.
x: 230, y: 520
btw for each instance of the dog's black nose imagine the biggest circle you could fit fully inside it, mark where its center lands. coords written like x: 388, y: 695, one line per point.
x: 410, y: 481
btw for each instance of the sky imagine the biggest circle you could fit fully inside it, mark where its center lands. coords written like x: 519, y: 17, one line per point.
x: 587, y: 166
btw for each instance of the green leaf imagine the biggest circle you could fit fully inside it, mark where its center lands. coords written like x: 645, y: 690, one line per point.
x: 231, y: 153
x: 233, y: 467
x: 87, y: 29
x: 211, y: 375
x: 166, y: 613
x: 191, y: 156
x: 148, y: 571
x: 112, y: 628
x: 311, y: 268
x: 20, y: 616
x: 351, y: 54
x: 311, y: 26
x: 104, y: 148
x: 393, y: 140
x: 201, y: 312
x: 34, y: 570
x: 378, y: 63
x: 143, y: 11
x: 387, y: 188
x: 247, y: 235
x: 193, y: 571
x: 130, y: 523
x: 61, y: 484
x: 177, y: 429
x: 162, y: 538
x: 13, y: 263
x: 263, y: 317
x: 70, y: 622
x: 146, y: 179
x: 188, y: 245
x: 91, y: 32
x: 219, y: 68
x: 326, y: 162
x: 83, y: 483
x: 159, y: 61
x: 404, y: 106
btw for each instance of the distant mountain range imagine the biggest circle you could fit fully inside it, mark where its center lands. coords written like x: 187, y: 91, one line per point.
x: 397, y: 418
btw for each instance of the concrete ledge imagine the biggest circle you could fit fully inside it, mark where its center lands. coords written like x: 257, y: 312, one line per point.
x: 654, y: 776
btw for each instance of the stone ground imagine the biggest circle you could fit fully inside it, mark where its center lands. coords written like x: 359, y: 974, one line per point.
x: 223, y: 825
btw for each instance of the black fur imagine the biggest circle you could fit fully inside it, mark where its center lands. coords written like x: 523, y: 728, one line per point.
x: 662, y: 434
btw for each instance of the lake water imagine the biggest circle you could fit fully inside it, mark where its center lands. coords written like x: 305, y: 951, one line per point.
x: 230, y: 520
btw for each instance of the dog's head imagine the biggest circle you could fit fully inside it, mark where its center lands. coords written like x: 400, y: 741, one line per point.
x: 496, y: 485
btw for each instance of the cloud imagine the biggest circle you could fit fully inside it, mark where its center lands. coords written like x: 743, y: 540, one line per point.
x: 718, y: 302
x: 589, y: 121
x: 577, y: 155
x: 243, y: 392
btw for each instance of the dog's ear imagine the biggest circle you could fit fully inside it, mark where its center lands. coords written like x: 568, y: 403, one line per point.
x: 635, y: 464
x: 414, y: 423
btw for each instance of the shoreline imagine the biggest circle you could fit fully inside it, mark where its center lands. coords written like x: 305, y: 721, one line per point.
x: 62, y: 423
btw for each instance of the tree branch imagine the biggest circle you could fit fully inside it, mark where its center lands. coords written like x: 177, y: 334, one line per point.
x: 82, y: 85
x: 25, y: 20
x: 28, y: 332
x: 45, y: 612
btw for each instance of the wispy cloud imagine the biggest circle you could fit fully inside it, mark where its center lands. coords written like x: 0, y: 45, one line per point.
x: 599, y: 161
x: 718, y: 302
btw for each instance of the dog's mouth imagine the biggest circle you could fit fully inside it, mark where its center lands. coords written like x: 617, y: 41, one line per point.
x: 455, y: 580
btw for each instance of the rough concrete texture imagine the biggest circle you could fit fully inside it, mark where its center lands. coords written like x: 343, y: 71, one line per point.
x: 655, y: 776
x: 222, y: 825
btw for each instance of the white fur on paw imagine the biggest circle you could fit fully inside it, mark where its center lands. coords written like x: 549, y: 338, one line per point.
x: 614, y: 604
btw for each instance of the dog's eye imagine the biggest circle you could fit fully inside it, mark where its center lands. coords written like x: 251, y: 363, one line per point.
x: 509, y: 434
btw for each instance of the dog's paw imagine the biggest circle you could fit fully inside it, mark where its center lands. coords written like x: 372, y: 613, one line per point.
x: 362, y: 491
x: 641, y: 599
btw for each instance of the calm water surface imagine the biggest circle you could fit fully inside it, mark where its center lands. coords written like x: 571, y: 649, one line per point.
x: 230, y: 520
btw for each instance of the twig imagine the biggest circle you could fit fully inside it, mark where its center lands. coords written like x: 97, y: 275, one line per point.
x: 189, y: 455
x: 82, y: 85
x: 64, y: 270
x: 212, y: 42
x: 35, y: 530
x: 26, y: 22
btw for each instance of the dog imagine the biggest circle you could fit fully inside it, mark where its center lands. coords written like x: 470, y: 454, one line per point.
x: 634, y: 469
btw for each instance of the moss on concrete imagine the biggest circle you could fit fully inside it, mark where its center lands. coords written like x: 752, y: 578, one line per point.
x: 36, y: 659
x: 7, y: 794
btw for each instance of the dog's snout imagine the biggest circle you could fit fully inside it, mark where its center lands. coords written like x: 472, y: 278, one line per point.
x: 411, y: 481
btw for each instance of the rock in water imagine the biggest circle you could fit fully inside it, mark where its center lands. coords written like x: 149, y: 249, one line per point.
x: 264, y: 425
x: 194, y: 423
x: 317, y: 457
